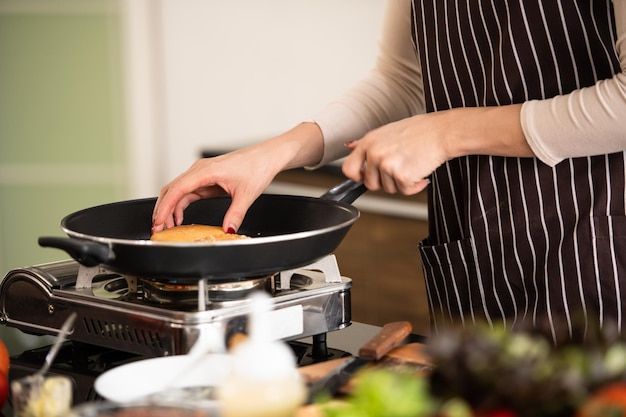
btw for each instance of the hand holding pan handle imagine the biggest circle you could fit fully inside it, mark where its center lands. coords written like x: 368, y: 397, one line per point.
x: 86, y: 252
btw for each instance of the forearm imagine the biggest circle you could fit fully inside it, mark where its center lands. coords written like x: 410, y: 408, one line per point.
x: 483, y: 131
x: 300, y: 146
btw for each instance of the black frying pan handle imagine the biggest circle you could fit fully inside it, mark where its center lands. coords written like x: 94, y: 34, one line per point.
x: 346, y: 192
x: 86, y: 252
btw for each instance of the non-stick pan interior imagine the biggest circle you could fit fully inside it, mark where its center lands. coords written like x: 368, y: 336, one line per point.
x: 123, y: 220
x: 270, y: 215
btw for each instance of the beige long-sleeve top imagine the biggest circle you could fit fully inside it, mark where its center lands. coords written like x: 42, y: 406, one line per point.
x: 589, y: 121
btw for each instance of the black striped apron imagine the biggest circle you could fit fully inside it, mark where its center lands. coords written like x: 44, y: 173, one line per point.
x: 511, y: 239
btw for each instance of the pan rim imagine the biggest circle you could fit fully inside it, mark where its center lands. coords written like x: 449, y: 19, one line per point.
x: 236, y: 242
x: 253, y: 240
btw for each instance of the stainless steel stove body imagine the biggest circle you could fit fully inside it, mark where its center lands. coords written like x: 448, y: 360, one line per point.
x: 134, y: 315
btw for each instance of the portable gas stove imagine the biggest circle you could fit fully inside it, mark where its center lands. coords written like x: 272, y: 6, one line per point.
x: 151, y: 318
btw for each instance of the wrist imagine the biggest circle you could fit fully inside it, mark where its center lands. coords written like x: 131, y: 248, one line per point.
x: 301, y: 146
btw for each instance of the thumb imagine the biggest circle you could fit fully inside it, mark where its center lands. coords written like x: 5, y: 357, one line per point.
x: 353, y: 165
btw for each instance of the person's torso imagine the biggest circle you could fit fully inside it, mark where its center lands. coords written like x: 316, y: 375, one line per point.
x: 511, y: 229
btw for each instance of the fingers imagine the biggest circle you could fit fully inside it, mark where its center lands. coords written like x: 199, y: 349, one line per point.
x: 162, y: 215
x: 182, y: 204
x: 234, y: 216
x: 354, y: 164
x: 175, y: 197
x: 242, y: 199
x: 392, y: 183
x: 211, y: 177
x: 169, y: 207
x: 169, y: 210
x: 392, y: 173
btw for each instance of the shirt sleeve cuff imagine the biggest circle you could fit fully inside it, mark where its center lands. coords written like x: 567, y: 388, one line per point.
x: 532, y: 127
x: 339, y: 125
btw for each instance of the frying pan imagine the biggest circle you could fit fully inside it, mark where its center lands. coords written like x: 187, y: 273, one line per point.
x: 287, y: 232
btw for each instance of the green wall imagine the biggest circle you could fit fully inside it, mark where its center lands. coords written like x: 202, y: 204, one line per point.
x: 61, y: 120
x: 61, y: 145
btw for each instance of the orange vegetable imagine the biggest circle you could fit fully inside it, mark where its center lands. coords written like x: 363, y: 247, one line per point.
x: 607, y: 401
x: 4, y: 359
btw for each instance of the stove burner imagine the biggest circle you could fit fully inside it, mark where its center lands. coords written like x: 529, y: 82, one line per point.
x: 221, y: 293
x: 115, y: 286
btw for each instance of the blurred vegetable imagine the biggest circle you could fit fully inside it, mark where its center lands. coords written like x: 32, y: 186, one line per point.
x: 608, y: 401
x: 492, y: 371
x: 379, y: 392
x: 5, y: 359
x: 4, y: 389
x: 455, y: 407
x: 523, y: 371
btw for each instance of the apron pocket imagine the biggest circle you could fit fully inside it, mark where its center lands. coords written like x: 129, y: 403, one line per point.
x: 451, y: 281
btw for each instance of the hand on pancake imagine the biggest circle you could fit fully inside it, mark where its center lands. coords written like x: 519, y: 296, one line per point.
x: 243, y: 174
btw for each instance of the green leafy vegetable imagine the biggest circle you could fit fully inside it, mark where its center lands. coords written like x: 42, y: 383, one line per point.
x: 379, y: 392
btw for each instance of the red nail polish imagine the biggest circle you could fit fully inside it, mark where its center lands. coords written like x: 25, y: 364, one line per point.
x: 231, y: 231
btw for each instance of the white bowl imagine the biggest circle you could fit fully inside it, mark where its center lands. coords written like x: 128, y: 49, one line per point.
x: 160, y: 377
